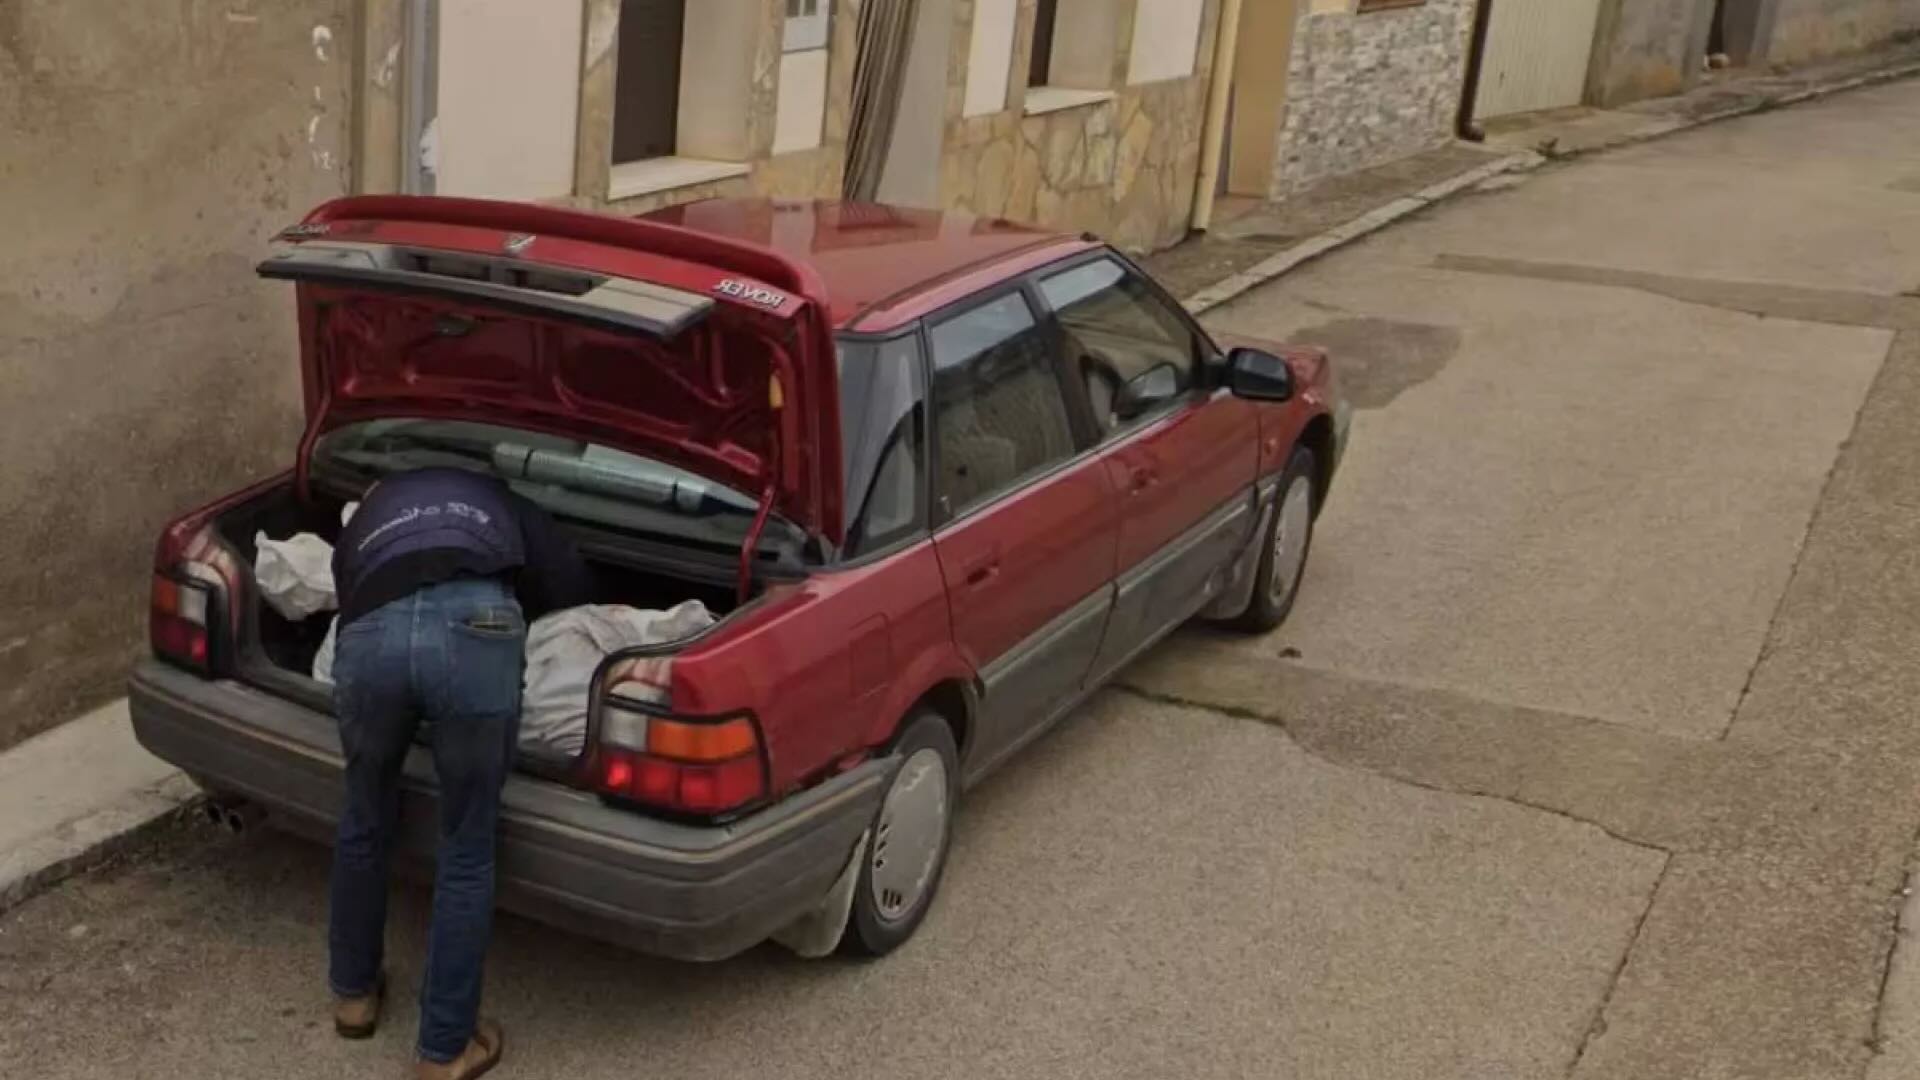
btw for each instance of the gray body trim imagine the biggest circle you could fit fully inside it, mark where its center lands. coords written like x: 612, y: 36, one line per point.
x: 1240, y: 579
x: 1174, y: 583
x: 1030, y: 687
x: 1020, y: 687
x: 686, y: 891
x: 614, y: 303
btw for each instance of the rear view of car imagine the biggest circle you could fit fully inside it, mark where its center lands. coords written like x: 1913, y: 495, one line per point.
x: 671, y: 399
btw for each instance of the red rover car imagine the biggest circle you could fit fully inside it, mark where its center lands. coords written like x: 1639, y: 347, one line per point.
x: 941, y: 477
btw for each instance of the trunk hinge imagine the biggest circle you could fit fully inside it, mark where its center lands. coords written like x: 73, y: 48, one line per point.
x: 302, y: 465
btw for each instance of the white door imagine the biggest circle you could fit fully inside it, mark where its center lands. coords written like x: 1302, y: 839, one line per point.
x: 1536, y: 55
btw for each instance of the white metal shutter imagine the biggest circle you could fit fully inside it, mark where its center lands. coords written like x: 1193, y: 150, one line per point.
x: 1536, y: 55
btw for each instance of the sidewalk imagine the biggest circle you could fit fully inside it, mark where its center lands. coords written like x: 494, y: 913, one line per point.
x: 1254, y: 243
x: 75, y: 795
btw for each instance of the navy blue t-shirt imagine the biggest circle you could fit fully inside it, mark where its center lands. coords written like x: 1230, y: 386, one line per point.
x: 425, y: 526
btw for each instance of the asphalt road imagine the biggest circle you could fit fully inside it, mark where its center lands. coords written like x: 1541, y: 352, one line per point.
x: 1596, y: 757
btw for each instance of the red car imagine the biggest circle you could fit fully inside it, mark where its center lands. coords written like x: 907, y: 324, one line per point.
x: 941, y: 477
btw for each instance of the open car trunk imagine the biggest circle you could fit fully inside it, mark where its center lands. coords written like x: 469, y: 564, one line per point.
x: 276, y: 654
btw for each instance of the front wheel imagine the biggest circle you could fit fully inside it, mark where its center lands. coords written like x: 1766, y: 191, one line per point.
x: 1283, y: 550
x: 908, y: 851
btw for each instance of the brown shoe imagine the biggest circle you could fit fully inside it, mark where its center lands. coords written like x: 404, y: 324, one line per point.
x: 482, y: 1053
x: 357, y: 1017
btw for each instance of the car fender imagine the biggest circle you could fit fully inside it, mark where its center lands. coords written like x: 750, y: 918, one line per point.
x: 919, y: 677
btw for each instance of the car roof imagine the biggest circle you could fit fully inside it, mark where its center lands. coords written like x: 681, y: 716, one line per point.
x: 883, y: 266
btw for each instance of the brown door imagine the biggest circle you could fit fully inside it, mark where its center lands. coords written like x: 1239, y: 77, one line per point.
x: 1259, y: 95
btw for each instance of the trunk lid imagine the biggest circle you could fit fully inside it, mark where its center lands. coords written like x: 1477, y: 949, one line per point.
x: 704, y: 352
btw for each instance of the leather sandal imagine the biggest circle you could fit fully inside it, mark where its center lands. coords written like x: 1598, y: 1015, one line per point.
x: 482, y: 1053
x: 359, y: 1017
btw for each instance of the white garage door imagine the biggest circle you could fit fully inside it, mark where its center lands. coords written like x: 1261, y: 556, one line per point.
x: 1536, y: 55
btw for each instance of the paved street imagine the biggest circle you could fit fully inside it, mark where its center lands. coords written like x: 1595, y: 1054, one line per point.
x: 1590, y: 749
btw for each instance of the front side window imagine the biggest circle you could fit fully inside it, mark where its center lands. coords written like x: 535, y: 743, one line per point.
x: 1120, y: 336
x: 999, y: 416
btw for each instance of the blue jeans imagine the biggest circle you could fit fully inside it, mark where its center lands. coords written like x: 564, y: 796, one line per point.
x: 451, y: 655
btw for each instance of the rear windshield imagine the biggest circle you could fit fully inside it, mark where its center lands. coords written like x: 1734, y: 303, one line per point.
x: 580, y: 481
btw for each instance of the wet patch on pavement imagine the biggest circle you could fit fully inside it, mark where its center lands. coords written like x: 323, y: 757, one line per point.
x: 1380, y: 359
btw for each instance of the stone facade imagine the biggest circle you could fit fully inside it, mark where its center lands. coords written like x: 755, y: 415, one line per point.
x: 1367, y: 88
x: 150, y: 151
x: 811, y: 173
x: 1123, y: 168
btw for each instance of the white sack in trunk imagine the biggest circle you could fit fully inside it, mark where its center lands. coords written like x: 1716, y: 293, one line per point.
x: 323, y: 660
x: 565, y: 647
x: 295, y: 575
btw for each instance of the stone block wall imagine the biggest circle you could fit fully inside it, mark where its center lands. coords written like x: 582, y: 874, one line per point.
x: 147, y: 154
x: 1367, y: 88
x: 1124, y: 169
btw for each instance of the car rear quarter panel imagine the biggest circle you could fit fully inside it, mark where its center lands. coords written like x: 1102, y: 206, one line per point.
x: 829, y: 665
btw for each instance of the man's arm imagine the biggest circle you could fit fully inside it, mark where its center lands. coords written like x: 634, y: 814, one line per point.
x: 555, y: 576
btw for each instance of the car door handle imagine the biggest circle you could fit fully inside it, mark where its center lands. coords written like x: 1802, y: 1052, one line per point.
x: 983, y: 569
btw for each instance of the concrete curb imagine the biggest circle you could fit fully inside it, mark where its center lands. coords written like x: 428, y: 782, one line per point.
x: 1656, y: 127
x: 1374, y: 220
x: 77, y: 795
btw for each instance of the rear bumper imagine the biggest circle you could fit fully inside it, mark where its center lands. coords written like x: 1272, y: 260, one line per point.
x: 684, y: 891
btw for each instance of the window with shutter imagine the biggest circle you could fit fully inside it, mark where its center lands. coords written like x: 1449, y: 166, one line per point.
x: 646, y: 106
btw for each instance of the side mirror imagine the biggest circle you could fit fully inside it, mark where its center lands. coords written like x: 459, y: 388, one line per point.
x: 1259, y: 376
x: 1152, y: 387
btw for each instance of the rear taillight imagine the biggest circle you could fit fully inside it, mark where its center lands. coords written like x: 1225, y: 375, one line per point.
x: 177, y: 622
x: 190, y: 614
x: 693, y: 765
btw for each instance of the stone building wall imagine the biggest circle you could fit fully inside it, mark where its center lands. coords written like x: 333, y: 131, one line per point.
x: 1807, y: 30
x: 1647, y: 48
x: 811, y: 173
x: 1367, y: 88
x: 1124, y: 169
x: 147, y: 154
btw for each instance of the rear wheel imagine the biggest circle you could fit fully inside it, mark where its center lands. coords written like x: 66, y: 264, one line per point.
x: 1283, y: 550
x: 907, y: 851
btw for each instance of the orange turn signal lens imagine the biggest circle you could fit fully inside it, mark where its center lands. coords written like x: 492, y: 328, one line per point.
x: 701, y: 742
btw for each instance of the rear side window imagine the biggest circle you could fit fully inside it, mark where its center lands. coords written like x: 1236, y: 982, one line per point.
x: 999, y: 416
x: 1114, y: 329
x: 883, y: 438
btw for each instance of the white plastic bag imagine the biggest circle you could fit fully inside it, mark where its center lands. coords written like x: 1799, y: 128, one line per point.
x: 323, y: 660
x: 294, y: 575
x: 564, y: 648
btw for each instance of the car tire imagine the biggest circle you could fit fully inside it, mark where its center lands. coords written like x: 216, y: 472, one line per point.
x: 1284, y: 547
x: 912, y: 832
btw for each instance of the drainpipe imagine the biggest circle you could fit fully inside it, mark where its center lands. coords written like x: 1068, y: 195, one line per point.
x: 1213, y: 137
x: 1465, y: 125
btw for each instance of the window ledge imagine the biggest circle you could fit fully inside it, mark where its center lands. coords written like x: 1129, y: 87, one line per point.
x: 1047, y: 99
x: 634, y: 178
